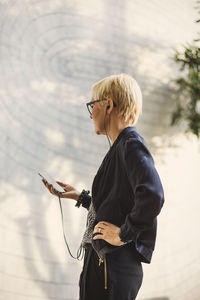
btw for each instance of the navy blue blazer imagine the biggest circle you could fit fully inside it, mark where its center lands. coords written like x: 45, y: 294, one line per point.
x: 127, y: 192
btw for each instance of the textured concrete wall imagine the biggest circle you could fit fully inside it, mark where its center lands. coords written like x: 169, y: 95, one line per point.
x: 51, y: 52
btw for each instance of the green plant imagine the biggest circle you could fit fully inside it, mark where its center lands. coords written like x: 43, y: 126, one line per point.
x: 188, y: 101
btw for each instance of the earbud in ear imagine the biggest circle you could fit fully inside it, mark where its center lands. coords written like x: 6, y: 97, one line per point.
x: 107, y: 107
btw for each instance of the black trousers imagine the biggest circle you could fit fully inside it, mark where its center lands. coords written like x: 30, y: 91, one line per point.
x: 122, y: 276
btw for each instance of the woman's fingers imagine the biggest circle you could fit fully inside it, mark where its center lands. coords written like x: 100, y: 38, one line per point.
x: 61, y: 183
x: 49, y: 186
x: 52, y: 190
x: 70, y: 193
x: 104, y: 223
x: 67, y: 187
x: 45, y: 183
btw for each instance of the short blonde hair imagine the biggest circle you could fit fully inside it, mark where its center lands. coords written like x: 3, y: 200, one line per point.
x: 124, y: 91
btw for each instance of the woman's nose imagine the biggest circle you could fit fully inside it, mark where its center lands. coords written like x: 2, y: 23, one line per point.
x: 90, y: 116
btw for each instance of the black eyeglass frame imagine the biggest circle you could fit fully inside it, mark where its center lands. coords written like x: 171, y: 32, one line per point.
x: 90, y: 104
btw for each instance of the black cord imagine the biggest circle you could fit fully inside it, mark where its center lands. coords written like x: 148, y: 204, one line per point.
x: 80, y: 249
x: 106, y: 130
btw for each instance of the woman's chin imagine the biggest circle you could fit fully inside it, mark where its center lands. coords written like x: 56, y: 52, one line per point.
x: 97, y: 131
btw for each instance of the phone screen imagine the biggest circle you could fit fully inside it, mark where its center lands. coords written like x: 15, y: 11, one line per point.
x: 50, y: 180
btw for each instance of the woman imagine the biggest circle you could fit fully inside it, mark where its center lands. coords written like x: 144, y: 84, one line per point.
x: 127, y: 196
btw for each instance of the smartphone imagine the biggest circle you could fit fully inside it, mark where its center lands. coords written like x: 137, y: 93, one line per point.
x: 50, y: 180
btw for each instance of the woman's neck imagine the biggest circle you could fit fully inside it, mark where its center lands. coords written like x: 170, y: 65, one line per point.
x: 116, y: 127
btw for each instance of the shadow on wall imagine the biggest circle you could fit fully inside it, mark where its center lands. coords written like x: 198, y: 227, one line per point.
x: 156, y: 119
x: 45, y: 138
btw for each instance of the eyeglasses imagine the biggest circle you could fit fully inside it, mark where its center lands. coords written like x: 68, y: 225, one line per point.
x: 90, y: 105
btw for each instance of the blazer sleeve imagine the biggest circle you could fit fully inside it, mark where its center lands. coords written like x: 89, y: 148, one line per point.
x: 147, y: 189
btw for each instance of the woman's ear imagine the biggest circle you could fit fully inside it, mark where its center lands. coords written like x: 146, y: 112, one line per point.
x: 109, y: 106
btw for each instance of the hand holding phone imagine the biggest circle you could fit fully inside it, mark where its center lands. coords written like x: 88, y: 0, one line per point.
x: 58, y: 188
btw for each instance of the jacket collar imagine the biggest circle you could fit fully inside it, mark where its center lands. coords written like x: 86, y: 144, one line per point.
x: 124, y: 132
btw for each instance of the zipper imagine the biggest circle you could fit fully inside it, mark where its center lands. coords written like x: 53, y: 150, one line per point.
x: 105, y: 272
x: 102, y: 261
x: 105, y: 269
